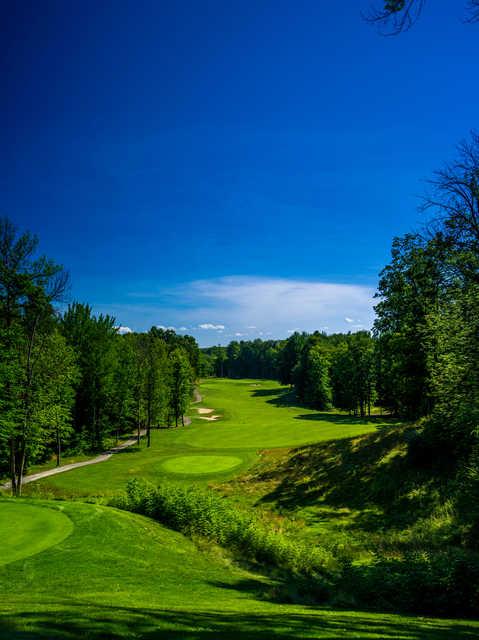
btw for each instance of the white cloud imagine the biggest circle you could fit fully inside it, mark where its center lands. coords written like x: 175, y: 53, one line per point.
x: 276, y: 304
x: 123, y: 330
x: 183, y: 329
x: 210, y: 326
x: 294, y: 330
x: 160, y: 326
x: 271, y: 305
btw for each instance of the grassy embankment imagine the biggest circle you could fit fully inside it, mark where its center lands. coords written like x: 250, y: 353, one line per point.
x: 119, y: 574
x: 122, y: 575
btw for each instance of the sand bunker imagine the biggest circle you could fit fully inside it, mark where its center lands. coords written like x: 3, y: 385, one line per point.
x: 201, y: 410
x: 210, y: 418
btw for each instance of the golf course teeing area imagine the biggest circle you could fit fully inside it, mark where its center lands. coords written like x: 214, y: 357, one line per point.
x: 198, y: 465
x: 27, y: 529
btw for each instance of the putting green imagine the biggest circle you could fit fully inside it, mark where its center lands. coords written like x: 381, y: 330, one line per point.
x: 198, y: 465
x: 27, y: 529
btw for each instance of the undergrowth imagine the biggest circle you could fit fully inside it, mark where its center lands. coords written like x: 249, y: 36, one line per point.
x: 437, y: 581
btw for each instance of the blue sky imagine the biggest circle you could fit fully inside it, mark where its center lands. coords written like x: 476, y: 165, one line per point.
x: 231, y: 169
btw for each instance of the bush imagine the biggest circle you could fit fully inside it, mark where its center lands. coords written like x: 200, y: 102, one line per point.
x: 196, y: 512
x: 441, y: 582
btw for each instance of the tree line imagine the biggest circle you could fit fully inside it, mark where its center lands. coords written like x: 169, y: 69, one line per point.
x: 325, y: 370
x: 69, y: 381
x: 421, y: 358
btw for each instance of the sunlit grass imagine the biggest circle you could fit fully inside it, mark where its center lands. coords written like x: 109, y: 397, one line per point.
x: 122, y: 575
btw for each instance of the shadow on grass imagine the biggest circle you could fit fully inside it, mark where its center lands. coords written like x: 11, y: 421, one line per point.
x: 278, y: 397
x: 371, y: 472
x: 287, y: 398
x: 341, y: 418
x: 83, y: 620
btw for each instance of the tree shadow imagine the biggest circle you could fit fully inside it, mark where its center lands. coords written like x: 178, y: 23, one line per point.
x: 285, y: 397
x: 367, y: 475
x: 76, y: 619
x: 342, y: 418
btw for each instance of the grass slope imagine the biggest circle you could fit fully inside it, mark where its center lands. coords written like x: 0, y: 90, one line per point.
x: 29, y: 529
x: 122, y: 575
x: 254, y: 415
x: 262, y: 414
x: 362, y: 486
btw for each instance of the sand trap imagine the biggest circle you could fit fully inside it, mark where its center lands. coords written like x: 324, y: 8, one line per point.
x: 201, y: 410
x: 210, y: 418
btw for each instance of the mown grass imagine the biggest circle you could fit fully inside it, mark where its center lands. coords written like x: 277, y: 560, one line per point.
x: 254, y: 415
x: 349, y: 491
x: 123, y: 575
x: 27, y: 529
x: 200, y: 464
x: 263, y: 414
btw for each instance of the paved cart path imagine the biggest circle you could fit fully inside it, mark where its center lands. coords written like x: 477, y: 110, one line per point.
x: 106, y: 455
x: 75, y: 465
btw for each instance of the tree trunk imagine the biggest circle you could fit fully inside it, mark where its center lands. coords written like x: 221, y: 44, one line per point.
x: 20, y: 450
x: 148, y: 421
x: 59, y: 448
x: 13, y: 473
x: 20, y: 469
x: 138, y: 425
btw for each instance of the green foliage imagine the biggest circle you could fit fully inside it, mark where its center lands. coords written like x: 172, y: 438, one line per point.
x: 199, y: 512
x: 408, y: 288
x: 57, y: 375
x: 311, y: 377
x: 441, y: 583
x: 289, y: 356
x: 353, y: 374
x: 453, y: 354
x: 437, y: 582
x: 93, y: 339
x: 134, y: 578
x: 244, y: 359
x: 28, y: 288
x: 181, y: 385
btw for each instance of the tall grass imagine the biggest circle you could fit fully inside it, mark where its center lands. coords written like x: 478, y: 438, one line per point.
x: 436, y: 582
x: 202, y: 513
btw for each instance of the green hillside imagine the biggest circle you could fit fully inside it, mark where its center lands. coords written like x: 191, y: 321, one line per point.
x: 122, y: 575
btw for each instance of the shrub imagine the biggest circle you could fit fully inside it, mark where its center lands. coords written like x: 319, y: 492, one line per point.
x: 197, y: 512
x: 437, y: 581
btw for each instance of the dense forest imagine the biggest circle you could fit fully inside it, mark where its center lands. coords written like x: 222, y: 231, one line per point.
x: 69, y: 381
